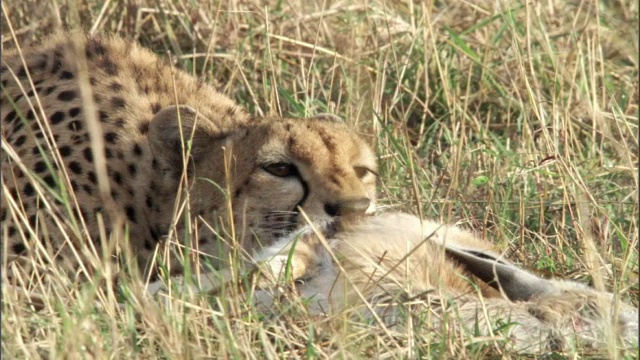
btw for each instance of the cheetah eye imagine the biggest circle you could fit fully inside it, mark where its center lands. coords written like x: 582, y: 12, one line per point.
x: 280, y: 169
x: 362, y: 171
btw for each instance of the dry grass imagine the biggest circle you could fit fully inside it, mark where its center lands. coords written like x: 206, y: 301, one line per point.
x: 520, y: 118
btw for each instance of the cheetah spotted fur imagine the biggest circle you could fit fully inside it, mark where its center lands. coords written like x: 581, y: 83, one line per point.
x: 257, y: 174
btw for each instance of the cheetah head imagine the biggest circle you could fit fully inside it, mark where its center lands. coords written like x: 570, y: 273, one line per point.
x: 274, y: 174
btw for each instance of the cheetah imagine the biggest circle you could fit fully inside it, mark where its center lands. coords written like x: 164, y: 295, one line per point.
x: 393, y: 265
x: 101, y: 134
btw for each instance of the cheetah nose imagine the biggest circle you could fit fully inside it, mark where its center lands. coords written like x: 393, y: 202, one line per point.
x: 348, y: 207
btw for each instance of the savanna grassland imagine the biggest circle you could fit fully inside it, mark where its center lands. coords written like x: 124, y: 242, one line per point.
x: 516, y: 119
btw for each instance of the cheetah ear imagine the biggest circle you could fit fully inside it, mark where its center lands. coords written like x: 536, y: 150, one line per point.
x: 171, y: 130
x: 517, y: 284
x: 327, y: 117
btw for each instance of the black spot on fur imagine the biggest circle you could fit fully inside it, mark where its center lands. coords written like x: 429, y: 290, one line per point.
x: 155, y: 108
x: 49, y: 90
x: 30, y: 115
x: 103, y: 116
x: 115, y: 86
x: 111, y: 137
x: 95, y: 48
x: 92, y: 177
x: 117, y: 177
x: 73, y: 112
x: 149, y: 202
x: 155, y: 232
x: 50, y: 180
x: 88, y: 155
x: 18, y: 126
x: 18, y: 248
x: 132, y: 169
x: 41, y: 63
x: 108, y: 153
x: 147, y: 245
x: 77, y: 139
x: 114, y: 195
x: 66, y: 75
x: 144, y: 128
x: 88, y: 189
x: 57, y: 62
x: 65, y: 150
x: 12, y: 231
x: 40, y: 167
x: 109, y: 67
x: 57, y: 117
x: 75, y: 167
x: 67, y: 95
x: 22, y: 72
x: 117, y: 102
x: 131, y: 213
x: 10, y: 117
x: 137, y: 150
x: 20, y: 140
x: 28, y: 189
x: 17, y: 98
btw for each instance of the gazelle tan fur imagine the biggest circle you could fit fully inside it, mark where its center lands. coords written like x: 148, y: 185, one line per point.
x: 366, y: 267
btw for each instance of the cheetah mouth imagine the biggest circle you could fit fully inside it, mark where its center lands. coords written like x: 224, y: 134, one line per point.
x: 279, y: 224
